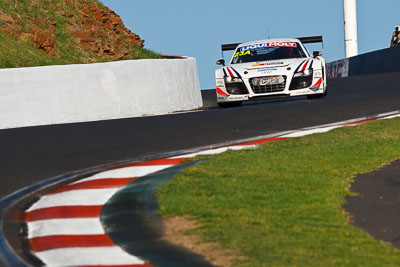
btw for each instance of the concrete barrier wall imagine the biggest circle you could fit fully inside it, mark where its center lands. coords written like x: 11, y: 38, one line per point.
x: 381, y: 61
x: 90, y: 92
x: 337, y: 69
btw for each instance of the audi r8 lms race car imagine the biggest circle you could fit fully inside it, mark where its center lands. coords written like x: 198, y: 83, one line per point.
x: 270, y: 68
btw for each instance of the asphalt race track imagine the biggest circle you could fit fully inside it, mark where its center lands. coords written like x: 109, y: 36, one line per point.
x: 33, y: 154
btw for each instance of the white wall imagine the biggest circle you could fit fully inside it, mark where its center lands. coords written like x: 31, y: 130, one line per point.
x: 91, y: 92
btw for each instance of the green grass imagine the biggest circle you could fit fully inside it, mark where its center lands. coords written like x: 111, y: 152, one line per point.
x: 141, y: 53
x: 19, y: 53
x: 281, y: 204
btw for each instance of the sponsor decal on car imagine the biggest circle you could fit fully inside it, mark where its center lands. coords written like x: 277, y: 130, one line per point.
x: 301, y: 92
x: 267, y: 64
x: 242, y: 53
x: 317, y: 84
x: 273, y: 44
x: 266, y: 71
x: 220, y: 82
x: 318, y: 74
x: 305, y: 65
x: 232, y: 72
x: 221, y: 92
x: 297, y: 69
x: 235, y: 98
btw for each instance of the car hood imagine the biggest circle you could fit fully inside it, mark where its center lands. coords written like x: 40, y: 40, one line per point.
x: 293, y: 63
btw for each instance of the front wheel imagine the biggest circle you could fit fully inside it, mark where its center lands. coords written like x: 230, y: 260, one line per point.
x: 230, y: 104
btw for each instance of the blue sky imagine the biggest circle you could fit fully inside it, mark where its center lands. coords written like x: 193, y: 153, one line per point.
x: 197, y: 28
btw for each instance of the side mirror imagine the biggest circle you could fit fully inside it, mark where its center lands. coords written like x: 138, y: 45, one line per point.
x: 221, y: 62
x: 317, y: 53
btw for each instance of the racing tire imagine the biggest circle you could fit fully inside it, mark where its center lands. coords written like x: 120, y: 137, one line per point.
x: 230, y: 104
x: 318, y: 96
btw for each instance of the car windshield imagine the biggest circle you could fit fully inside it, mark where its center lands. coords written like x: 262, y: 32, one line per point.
x: 267, y: 51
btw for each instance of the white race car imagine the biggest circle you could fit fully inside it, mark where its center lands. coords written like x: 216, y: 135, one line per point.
x: 270, y: 68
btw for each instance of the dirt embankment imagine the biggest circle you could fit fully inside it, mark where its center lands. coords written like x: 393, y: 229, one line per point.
x: 97, y: 30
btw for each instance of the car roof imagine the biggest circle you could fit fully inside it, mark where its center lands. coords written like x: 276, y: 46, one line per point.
x: 270, y: 41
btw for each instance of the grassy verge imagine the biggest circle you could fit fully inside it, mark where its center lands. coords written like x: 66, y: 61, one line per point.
x: 142, y: 53
x: 18, y: 53
x: 281, y: 204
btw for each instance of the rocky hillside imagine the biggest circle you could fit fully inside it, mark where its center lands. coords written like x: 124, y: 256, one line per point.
x: 42, y: 32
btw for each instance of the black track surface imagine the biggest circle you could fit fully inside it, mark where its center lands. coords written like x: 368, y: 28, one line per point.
x: 377, y: 207
x: 32, y: 154
x: 29, y: 155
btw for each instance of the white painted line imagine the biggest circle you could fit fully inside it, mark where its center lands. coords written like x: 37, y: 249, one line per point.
x: 242, y: 147
x: 87, y: 197
x: 312, y: 131
x: 85, y: 226
x: 98, y: 256
x: 183, y: 112
x: 126, y: 172
x: 205, y: 152
x: 393, y: 116
x: 214, y: 151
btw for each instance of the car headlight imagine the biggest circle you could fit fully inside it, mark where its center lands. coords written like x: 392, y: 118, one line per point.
x: 233, y: 80
x: 307, y: 72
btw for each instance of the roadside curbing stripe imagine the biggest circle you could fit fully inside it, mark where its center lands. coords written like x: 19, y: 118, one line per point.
x: 94, y: 197
x: 95, y: 184
x: 69, y: 226
x: 69, y: 217
x: 63, y: 212
x: 51, y: 242
x: 98, y: 256
x: 126, y: 172
x: 262, y: 141
x: 64, y: 227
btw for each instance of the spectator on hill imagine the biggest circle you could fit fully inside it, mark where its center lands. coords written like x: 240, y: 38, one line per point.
x: 396, y: 37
